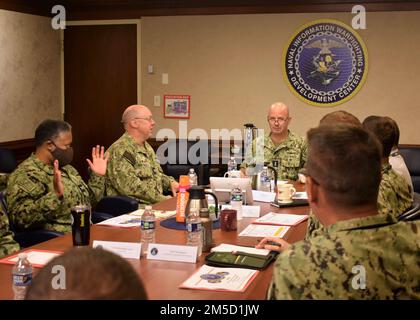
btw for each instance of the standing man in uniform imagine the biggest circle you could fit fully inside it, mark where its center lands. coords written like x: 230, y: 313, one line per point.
x: 133, y: 168
x: 280, y: 144
x: 359, y: 254
x: 43, y: 188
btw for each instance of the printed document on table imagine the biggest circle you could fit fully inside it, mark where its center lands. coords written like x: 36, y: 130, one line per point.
x: 281, y: 219
x: 232, y: 248
x: 37, y: 257
x: 220, y: 279
x: 122, y: 221
x: 263, y: 196
x: 247, y: 211
x: 159, y: 214
x: 261, y: 230
x: 300, y: 195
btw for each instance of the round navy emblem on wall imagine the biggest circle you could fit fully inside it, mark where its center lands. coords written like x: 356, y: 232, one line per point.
x: 325, y: 63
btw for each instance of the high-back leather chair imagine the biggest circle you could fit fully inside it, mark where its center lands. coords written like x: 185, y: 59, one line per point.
x: 113, y: 206
x: 7, y: 161
x: 30, y: 237
x: 179, y: 161
x: 412, y: 160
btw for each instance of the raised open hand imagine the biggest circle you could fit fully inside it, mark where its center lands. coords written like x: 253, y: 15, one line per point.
x: 58, y: 185
x: 99, y: 160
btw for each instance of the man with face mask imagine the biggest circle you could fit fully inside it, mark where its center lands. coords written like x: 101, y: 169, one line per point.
x: 42, y: 190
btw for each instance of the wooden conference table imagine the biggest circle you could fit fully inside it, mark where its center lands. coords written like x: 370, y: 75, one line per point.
x: 162, y: 278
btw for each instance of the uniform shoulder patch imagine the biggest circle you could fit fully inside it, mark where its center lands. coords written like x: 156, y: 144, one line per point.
x: 27, y: 185
x: 130, y: 158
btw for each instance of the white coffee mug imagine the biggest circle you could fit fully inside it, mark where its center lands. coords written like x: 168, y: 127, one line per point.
x: 232, y: 174
x: 285, y: 192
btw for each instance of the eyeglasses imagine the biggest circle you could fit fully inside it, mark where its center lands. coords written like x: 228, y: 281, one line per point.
x: 279, y: 120
x: 150, y: 119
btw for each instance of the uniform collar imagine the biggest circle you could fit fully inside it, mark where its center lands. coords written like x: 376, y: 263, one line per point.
x: 144, y: 148
x: 268, y: 143
x: 41, y: 165
x: 362, y: 223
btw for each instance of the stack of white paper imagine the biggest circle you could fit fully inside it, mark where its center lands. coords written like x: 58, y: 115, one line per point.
x: 159, y: 214
x: 247, y: 211
x: 122, y: 221
x: 259, y: 230
x: 263, y: 196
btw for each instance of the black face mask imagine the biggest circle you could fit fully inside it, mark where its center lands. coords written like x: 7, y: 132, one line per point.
x: 64, y: 156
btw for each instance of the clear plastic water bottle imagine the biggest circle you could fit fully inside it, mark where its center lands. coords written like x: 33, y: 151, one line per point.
x: 194, y: 230
x: 236, y: 201
x: 232, y: 164
x: 22, y: 276
x: 265, y: 180
x: 193, y: 177
x: 148, y: 221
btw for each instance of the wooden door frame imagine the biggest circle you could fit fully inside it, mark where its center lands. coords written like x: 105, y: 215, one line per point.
x: 137, y: 22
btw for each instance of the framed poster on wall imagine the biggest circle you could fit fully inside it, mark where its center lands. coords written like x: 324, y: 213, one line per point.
x: 176, y: 106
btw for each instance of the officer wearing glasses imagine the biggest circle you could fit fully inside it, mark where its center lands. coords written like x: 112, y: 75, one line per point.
x: 280, y: 144
x: 133, y: 169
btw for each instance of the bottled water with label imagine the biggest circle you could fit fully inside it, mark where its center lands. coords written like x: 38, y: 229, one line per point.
x: 22, y: 276
x: 148, y: 221
x: 194, y: 230
x: 236, y: 201
x: 265, y: 180
x: 193, y: 177
x: 231, y: 164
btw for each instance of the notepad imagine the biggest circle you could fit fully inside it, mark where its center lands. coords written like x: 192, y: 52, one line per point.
x: 281, y: 219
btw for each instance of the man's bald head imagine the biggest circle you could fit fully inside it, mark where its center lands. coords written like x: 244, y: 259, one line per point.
x: 134, y: 111
x: 278, y: 107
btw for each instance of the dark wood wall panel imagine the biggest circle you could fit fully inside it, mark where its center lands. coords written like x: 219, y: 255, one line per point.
x: 21, y: 148
x: 135, y: 9
x: 100, y: 79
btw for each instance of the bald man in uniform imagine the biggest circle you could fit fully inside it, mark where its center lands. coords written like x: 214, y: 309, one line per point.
x: 133, y: 169
x: 280, y: 144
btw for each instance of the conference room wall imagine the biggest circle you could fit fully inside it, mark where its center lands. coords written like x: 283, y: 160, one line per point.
x: 29, y: 74
x: 231, y: 67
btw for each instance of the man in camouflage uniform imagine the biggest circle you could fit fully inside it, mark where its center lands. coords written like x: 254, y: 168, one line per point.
x: 360, y: 254
x: 133, y: 168
x: 280, y: 144
x: 44, y: 187
x: 7, y: 244
x: 394, y: 193
x: 3, y: 181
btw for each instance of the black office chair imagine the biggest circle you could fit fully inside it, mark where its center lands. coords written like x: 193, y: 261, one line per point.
x: 414, y: 212
x: 412, y: 160
x: 175, y: 160
x: 30, y: 237
x: 109, y: 207
x: 7, y: 161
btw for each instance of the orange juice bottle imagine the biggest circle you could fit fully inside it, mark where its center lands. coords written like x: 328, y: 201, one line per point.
x: 182, y: 198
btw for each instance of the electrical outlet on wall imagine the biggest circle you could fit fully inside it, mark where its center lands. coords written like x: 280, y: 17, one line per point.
x: 156, y: 101
x: 165, y: 78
